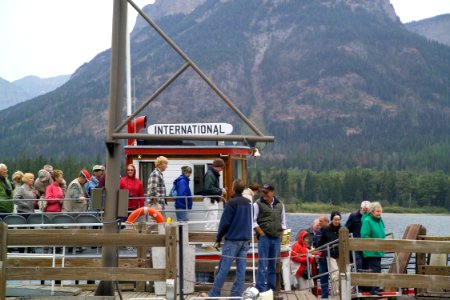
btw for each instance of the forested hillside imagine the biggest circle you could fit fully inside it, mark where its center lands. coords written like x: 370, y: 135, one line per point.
x: 391, y: 188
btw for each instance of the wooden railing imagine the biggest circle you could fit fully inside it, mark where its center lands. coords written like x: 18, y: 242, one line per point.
x: 21, y: 268
x: 347, y: 278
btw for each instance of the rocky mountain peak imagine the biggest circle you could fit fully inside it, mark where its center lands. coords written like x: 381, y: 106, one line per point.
x: 376, y: 7
x: 163, y: 8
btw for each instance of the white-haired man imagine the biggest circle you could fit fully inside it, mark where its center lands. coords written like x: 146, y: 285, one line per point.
x: 354, y: 223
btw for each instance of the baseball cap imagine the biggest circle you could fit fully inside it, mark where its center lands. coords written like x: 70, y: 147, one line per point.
x: 86, y: 175
x: 98, y: 168
x: 268, y: 187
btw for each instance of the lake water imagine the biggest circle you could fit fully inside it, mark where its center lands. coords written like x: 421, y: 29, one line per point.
x: 395, y: 223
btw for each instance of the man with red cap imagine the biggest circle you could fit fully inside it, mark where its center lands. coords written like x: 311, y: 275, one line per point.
x: 75, y: 199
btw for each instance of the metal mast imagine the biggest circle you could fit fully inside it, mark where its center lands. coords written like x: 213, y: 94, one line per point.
x: 114, y: 148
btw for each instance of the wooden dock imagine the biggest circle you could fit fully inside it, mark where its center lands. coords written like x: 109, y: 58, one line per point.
x: 139, y: 272
x: 89, y: 294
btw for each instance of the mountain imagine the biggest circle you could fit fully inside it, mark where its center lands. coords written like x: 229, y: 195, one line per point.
x: 11, y: 94
x: 36, y: 86
x: 436, y: 28
x: 339, y: 84
x: 26, y: 88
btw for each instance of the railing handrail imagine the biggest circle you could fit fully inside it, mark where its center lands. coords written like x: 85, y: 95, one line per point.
x: 348, y: 278
x: 85, y: 237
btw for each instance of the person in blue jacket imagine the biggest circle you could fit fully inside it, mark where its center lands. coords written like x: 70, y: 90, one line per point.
x: 183, y: 200
x: 235, y: 228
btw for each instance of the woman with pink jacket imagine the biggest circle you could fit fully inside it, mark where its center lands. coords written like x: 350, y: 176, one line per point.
x: 135, y: 188
x: 54, y: 194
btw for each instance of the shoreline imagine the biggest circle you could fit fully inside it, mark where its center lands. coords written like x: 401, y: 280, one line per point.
x: 384, y: 213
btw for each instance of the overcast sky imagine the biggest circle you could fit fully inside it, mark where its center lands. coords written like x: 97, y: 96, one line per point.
x: 48, y: 38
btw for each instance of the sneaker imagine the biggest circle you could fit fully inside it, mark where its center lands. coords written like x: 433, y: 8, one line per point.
x: 205, y: 295
x: 277, y: 298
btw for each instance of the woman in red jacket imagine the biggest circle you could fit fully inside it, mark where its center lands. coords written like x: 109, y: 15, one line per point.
x: 54, y: 193
x: 135, y: 188
x: 301, y: 260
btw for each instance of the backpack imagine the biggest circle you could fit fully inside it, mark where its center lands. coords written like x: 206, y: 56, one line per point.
x: 173, y: 191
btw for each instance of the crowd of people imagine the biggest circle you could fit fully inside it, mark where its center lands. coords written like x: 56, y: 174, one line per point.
x: 252, y: 210
x: 316, y: 250
x: 48, y: 192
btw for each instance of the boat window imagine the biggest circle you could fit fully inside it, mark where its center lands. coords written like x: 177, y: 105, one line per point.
x: 199, y: 173
x: 237, y: 169
x: 145, y: 168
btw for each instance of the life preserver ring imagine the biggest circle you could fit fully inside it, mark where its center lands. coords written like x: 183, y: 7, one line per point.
x: 156, y: 215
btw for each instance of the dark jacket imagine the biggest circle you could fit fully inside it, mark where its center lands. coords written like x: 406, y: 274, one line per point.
x: 354, y: 223
x: 270, y: 218
x: 211, y: 184
x: 236, y: 221
x: 183, y: 191
x: 329, y: 234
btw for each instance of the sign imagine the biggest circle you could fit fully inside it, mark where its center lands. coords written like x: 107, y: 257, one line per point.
x: 191, y: 129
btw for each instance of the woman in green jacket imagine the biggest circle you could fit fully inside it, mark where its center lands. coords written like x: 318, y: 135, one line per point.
x: 373, y: 228
x: 6, y: 191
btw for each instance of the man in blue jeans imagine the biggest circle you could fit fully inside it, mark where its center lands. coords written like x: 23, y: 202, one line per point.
x: 269, y: 221
x: 236, y: 226
x: 323, y: 263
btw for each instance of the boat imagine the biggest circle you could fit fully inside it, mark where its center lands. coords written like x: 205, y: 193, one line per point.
x: 199, y: 156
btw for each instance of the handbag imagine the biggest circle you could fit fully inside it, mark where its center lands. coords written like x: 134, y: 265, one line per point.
x: 42, y: 204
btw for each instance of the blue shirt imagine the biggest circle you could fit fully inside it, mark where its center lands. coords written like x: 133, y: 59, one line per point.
x: 236, y: 221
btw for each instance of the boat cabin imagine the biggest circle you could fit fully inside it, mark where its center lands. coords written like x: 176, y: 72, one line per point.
x: 199, y: 155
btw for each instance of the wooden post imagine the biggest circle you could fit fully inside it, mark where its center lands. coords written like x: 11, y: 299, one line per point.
x: 345, y: 285
x: 142, y: 256
x: 344, y: 250
x: 3, y: 258
x: 420, y: 259
x: 171, y: 253
x: 278, y: 270
x: 170, y: 289
x: 344, y: 264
